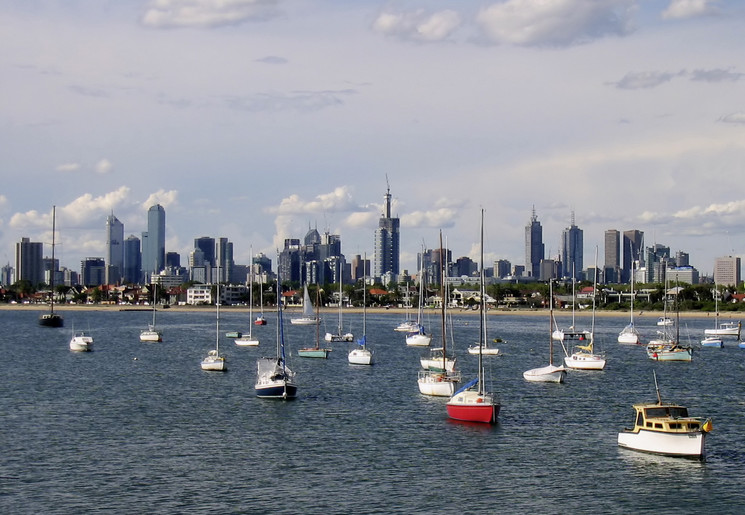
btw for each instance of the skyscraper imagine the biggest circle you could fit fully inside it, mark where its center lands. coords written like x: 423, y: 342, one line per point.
x: 132, y: 259
x: 572, y: 251
x: 632, y: 250
x: 612, y: 252
x: 29, y: 261
x: 534, y: 249
x: 387, y: 242
x: 727, y: 271
x: 207, y: 246
x: 114, y: 249
x: 154, y: 242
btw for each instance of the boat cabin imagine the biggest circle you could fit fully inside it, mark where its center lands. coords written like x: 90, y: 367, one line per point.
x: 668, y: 418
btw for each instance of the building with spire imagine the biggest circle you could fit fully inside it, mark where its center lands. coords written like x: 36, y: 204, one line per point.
x: 387, y: 242
x: 114, y: 250
x: 534, y: 248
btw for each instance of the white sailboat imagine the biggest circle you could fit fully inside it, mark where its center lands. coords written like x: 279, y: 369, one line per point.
x: 418, y: 337
x: 584, y: 357
x: 629, y: 335
x: 361, y: 355
x: 472, y: 403
x: 274, y: 379
x: 309, y: 316
x: 571, y: 333
x: 260, y: 320
x: 438, y: 376
x: 214, y: 361
x: 550, y: 373
x: 408, y: 325
x: 152, y: 333
x: 713, y: 337
x: 340, y: 336
x: 317, y: 351
x: 248, y: 340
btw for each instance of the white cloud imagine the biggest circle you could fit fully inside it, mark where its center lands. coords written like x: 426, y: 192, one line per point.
x: 68, y: 167
x: 735, y: 118
x: 644, y: 80
x: 338, y: 200
x: 162, y: 197
x: 206, y: 13
x: 104, y: 166
x: 555, y: 22
x: 679, y: 9
x: 418, y: 25
x: 437, y: 218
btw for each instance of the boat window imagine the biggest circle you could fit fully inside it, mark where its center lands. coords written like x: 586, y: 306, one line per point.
x: 693, y: 425
x: 675, y: 425
x: 640, y: 419
x: 649, y: 424
x: 678, y: 412
x: 667, y: 411
x: 658, y: 425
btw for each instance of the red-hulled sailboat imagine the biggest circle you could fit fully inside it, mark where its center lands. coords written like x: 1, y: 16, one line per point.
x: 473, y: 403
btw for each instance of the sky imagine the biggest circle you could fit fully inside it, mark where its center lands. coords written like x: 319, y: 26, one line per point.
x: 257, y: 119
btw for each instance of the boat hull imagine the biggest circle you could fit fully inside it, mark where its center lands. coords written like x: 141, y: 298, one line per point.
x: 51, y: 320
x: 151, y: 336
x: 583, y: 361
x: 214, y: 364
x: 712, y: 341
x: 303, y: 321
x: 547, y: 374
x: 313, y: 353
x: 277, y: 390
x: 260, y: 321
x: 485, y: 351
x: 246, y: 341
x: 677, y: 354
x: 470, y: 406
x: 360, y: 357
x: 668, y: 444
x: 418, y: 340
x: 436, y: 385
x: 81, y: 344
x: 629, y: 336
x: 337, y: 338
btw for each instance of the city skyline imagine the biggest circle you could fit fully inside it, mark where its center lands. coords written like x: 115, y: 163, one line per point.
x: 627, y: 113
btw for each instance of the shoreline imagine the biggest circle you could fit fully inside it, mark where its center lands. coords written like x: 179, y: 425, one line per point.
x: 559, y: 314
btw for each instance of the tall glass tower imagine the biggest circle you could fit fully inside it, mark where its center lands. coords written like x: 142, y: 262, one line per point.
x: 387, y: 242
x: 114, y: 250
x: 572, y: 251
x: 154, y: 242
x: 534, y: 248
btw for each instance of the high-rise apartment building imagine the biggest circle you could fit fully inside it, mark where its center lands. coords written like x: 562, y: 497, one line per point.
x: 387, y: 242
x: 154, y: 242
x: 92, y: 271
x: 114, y: 250
x: 207, y: 246
x: 727, y: 271
x: 534, y: 248
x: 572, y: 251
x: 29, y: 261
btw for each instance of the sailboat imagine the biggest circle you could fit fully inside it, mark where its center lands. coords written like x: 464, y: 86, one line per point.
x: 418, y: 338
x: 249, y: 340
x: 482, y: 347
x: 317, y: 351
x: 550, y: 373
x: 629, y: 335
x: 339, y: 336
x: 571, y: 333
x: 438, y: 376
x: 214, y: 361
x: 52, y: 319
x: 667, y: 348
x: 309, y: 316
x: 152, y: 333
x: 472, y: 403
x: 274, y: 379
x: 584, y: 357
x: 260, y: 320
x: 408, y: 325
x: 361, y: 355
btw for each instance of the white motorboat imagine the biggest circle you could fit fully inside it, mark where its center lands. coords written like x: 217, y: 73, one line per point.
x: 666, y: 428
x: 712, y: 341
x: 725, y: 329
x: 81, y: 342
x: 665, y: 321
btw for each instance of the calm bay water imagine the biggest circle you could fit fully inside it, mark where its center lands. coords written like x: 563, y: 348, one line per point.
x: 139, y: 428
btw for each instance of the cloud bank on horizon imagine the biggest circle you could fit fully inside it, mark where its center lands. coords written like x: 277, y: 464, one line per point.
x: 256, y: 119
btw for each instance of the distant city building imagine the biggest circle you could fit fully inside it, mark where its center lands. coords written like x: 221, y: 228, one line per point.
x: 132, y: 260
x: 262, y: 264
x: 502, y: 268
x: 288, y: 262
x: 633, y: 243
x: 360, y: 268
x: 534, y: 248
x: 465, y: 266
x: 29, y: 261
x: 572, y: 251
x: 612, y: 267
x: 727, y: 271
x: 682, y: 274
x: 154, y: 242
x: 7, y: 275
x: 387, y: 243
x: 207, y: 246
x: 114, y: 250
x: 224, y: 258
x: 93, y: 271
x: 173, y: 260
x: 548, y: 269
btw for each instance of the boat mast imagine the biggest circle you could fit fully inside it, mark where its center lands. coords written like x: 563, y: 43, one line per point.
x: 550, y: 318
x: 51, y: 273
x: 657, y: 387
x: 481, y: 307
